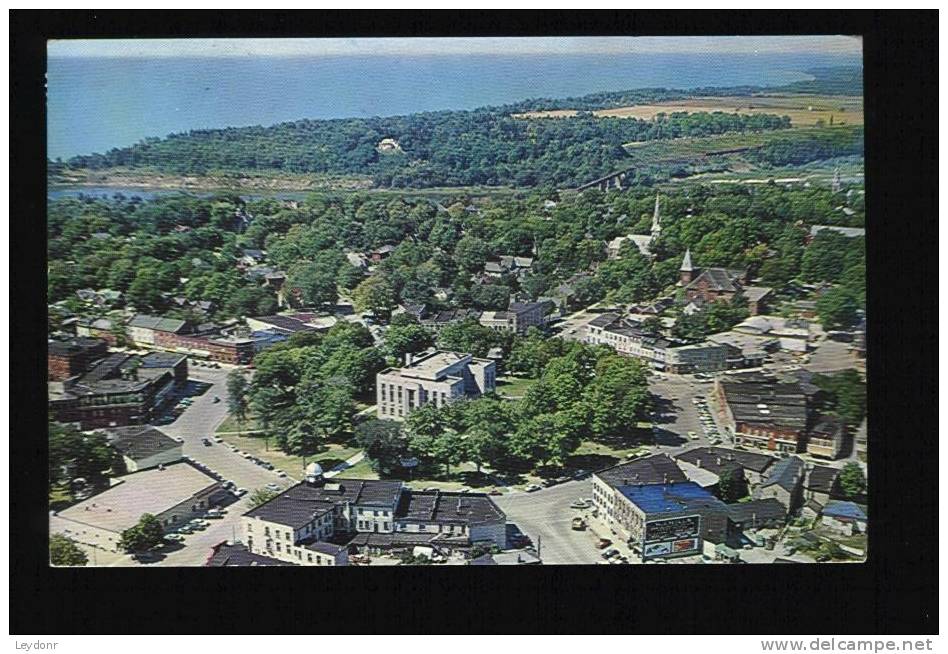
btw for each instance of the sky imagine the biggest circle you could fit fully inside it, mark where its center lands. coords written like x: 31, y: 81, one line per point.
x: 449, y: 46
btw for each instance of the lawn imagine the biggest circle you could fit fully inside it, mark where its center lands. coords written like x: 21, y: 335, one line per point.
x: 514, y: 387
x: 292, y: 464
x: 230, y: 424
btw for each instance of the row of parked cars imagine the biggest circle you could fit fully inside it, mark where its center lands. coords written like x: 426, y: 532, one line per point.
x: 707, y: 422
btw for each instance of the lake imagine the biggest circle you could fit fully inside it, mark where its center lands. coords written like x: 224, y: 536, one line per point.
x: 95, y: 104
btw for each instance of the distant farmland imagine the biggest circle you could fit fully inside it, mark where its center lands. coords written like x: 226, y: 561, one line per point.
x: 803, y: 110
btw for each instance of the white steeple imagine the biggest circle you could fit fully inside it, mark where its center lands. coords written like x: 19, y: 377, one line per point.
x: 656, y: 220
x: 837, y: 184
x: 686, y: 262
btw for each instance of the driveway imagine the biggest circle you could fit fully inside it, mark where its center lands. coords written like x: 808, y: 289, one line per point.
x: 546, y: 518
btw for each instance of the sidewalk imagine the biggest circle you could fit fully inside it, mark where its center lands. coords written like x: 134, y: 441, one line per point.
x: 345, y: 465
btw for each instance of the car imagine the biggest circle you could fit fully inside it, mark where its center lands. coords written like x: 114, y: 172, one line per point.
x: 216, y: 399
x: 240, y: 492
x: 174, y: 538
x: 578, y: 524
x: 562, y: 480
x: 198, y: 524
x: 207, y: 442
x: 215, y: 513
x: 532, y: 488
x: 185, y: 529
x: 229, y: 484
x: 604, y: 542
x: 218, y: 439
x: 273, y: 487
x: 692, y: 435
x: 464, y: 489
x: 268, y: 466
x: 546, y: 483
x: 579, y: 504
x: 494, y: 492
x: 280, y: 474
x: 609, y: 553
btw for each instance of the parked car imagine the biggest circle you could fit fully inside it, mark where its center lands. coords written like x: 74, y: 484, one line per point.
x: 218, y: 439
x: 240, y: 492
x: 216, y: 399
x: 579, y: 504
x: 215, y: 513
x: 578, y: 524
x: 207, y: 442
x: 609, y: 553
x: 185, y: 529
x: 174, y: 538
x: 494, y: 492
x: 280, y: 473
x: 604, y: 542
x: 532, y: 488
x: 693, y: 436
x: 229, y: 484
x: 273, y: 487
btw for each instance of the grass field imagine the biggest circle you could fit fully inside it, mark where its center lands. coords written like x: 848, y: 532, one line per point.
x: 514, y: 387
x: 803, y: 110
x: 292, y: 464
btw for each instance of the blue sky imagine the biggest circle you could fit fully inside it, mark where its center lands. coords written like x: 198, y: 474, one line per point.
x: 449, y: 46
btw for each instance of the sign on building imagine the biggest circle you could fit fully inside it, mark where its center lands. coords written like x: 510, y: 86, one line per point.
x: 671, y: 536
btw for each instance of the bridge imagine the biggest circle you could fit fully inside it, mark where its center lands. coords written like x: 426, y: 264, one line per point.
x: 617, y: 179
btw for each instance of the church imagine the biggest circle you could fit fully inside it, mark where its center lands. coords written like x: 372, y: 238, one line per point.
x: 642, y: 241
x: 703, y: 286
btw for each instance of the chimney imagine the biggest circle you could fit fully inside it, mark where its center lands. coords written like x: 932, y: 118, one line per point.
x: 698, y: 462
x: 408, y: 359
x: 719, y: 460
x: 665, y: 478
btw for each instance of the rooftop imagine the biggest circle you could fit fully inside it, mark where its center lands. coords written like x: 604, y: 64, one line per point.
x: 139, y: 442
x: 821, y: 479
x: 669, y: 498
x: 762, y: 510
x: 299, y: 504
x: 709, y: 456
x: 656, y: 469
x: 448, y: 508
x: 149, y: 491
x: 172, y: 325
x: 769, y: 402
x: 162, y: 359
x: 844, y: 510
x: 786, y: 473
x: 74, y: 345
x: 236, y: 554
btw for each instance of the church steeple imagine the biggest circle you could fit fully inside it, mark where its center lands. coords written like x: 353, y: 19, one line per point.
x: 686, y: 271
x: 837, y: 184
x: 656, y: 220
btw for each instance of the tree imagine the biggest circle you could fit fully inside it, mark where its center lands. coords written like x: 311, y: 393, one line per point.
x: 844, y: 393
x: 145, y: 535
x: 837, y: 308
x: 261, y: 496
x: 731, y: 487
x: 238, y: 395
x: 852, y: 480
x: 470, y: 254
x: 617, y: 398
x: 469, y: 336
x: 64, y: 552
x: 73, y: 454
x: 652, y: 326
x: 402, y: 339
x: 313, y: 284
x: 375, y: 294
x: 384, y: 442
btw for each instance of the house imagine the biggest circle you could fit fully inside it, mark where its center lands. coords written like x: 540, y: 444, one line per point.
x: 769, y: 513
x: 784, y: 482
x: 174, y: 494
x: 753, y: 465
x: 441, y: 319
x: 845, y: 517
x: 711, y: 284
x: 668, y: 520
x: 826, y: 438
x: 68, y: 358
x: 820, y: 484
x: 437, y: 377
x: 102, y: 328
x: 762, y: 412
x: 144, y: 447
x: 143, y: 329
x: 380, y: 254
x: 357, y: 260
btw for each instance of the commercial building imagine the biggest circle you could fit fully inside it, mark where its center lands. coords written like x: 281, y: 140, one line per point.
x: 717, y: 459
x: 143, y: 329
x: 656, y: 469
x: 763, y: 412
x: 757, y: 514
x: 65, y: 359
x: 115, y: 392
x: 437, y: 377
x: 518, y: 317
x: 441, y: 319
x: 667, y: 520
x: 233, y: 555
x: 103, y: 328
x: 627, y: 337
x: 826, y: 438
x: 144, y: 447
x: 312, y: 522
x: 174, y: 494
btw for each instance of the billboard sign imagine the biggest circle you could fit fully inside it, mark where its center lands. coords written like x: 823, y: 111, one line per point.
x: 672, y: 529
x: 685, y: 545
x: 657, y: 549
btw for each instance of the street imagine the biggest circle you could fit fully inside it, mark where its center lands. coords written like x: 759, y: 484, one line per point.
x: 545, y: 517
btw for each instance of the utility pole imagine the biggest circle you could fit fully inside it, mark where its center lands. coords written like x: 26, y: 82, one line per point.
x: 539, y: 545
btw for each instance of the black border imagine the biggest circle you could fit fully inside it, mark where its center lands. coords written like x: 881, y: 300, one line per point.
x: 895, y: 592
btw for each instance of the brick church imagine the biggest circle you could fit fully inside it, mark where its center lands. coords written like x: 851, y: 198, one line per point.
x: 703, y: 286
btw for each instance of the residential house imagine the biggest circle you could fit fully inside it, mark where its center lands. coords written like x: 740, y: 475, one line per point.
x: 784, y: 482
x: 847, y: 518
x: 769, y: 513
x: 821, y: 483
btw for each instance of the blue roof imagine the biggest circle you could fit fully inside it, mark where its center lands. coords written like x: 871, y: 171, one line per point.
x: 837, y: 509
x: 665, y: 498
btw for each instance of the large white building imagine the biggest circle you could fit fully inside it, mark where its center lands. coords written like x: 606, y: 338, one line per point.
x: 434, y: 377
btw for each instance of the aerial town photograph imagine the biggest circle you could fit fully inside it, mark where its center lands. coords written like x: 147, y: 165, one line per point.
x: 466, y: 301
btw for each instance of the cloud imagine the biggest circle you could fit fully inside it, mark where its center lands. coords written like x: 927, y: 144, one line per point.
x: 149, y: 48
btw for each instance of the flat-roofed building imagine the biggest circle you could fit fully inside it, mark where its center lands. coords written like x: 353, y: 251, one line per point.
x: 716, y: 459
x: 472, y: 516
x: 144, y: 447
x: 435, y: 377
x: 174, y: 494
x: 72, y: 357
x: 656, y: 469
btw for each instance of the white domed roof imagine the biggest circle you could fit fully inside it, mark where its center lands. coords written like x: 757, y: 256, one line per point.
x: 314, y: 470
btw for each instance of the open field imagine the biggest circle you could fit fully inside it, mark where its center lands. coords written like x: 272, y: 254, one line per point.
x: 514, y: 387
x: 803, y: 110
x: 256, y: 445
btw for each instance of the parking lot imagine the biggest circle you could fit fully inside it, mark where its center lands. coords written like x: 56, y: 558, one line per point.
x: 676, y: 415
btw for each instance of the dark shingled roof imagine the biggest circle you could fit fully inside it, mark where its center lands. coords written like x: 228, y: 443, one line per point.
x: 299, y: 505
x: 140, y: 442
x: 657, y: 469
x: 821, y: 479
x: 759, y: 510
x: 448, y: 508
x: 226, y: 555
x: 329, y: 549
x: 74, y: 345
x: 786, y: 473
x: 784, y: 403
x: 162, y: 359
x: 709, y: 455
x: 603, y: 320
x: 287, y: 323
x: 720, y: 279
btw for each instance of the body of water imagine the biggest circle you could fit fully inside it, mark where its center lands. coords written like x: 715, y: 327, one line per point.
x: 95, y: 104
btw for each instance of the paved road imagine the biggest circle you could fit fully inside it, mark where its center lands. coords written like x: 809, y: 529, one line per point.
x: 545, y: 517
x: 675, y: 413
